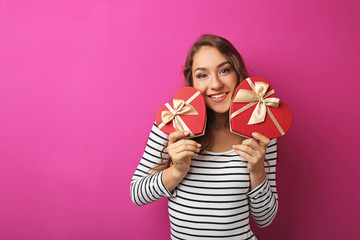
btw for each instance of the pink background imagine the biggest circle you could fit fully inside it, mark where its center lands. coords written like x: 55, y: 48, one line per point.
x: 81, y: 82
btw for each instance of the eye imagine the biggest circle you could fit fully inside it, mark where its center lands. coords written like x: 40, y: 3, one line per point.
x: 201, y: 75
x: 225, y: 70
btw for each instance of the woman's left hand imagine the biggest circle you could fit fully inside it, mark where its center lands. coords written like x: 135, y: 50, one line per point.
x: 254, y: 150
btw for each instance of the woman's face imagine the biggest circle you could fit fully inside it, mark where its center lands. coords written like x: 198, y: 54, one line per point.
x: 214, y: 77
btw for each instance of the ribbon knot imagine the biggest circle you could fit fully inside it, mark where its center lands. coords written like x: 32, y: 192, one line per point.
x: 259, y: 96
x: 261, y: 99
x: 180, y: 108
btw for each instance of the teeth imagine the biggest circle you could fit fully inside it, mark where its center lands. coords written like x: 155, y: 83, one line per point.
x: 218, y: 96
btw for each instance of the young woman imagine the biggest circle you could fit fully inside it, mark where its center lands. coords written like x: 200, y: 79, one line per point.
x: 215, y: 181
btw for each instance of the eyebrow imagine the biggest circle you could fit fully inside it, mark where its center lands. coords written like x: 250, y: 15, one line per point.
x: 218, y: 66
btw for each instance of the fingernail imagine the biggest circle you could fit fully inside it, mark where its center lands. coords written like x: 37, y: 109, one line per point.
x: 199, y: 145
x: 254, y: 134
x: 198, y: 150
x: 233, y: 146
x: 186, y: 133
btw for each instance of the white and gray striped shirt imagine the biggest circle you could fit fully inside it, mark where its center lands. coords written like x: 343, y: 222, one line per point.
x: 213, y: 200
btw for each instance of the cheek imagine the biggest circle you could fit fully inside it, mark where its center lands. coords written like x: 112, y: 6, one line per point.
x: 233, y: 82
x: 200, y: 86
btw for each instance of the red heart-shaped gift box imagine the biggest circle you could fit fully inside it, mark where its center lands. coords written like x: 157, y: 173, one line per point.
x: 186, y: 112
x: 255, y: 108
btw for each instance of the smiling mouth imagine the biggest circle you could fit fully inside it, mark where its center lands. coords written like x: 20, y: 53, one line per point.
x: 218, y: 95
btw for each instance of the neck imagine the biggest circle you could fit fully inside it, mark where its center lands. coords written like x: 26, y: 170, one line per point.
x: 221, y: 120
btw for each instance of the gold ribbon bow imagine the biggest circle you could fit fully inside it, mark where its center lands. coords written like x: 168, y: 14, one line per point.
x: 180, y: 108
x: 259, y: 96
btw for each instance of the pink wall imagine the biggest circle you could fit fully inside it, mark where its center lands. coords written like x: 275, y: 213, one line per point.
x: 81, y: 82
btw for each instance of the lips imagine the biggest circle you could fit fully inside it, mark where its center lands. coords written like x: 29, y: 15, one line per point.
x: 218, y: 97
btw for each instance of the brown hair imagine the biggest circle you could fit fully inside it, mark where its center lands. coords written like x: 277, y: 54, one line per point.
x: 236, y: 61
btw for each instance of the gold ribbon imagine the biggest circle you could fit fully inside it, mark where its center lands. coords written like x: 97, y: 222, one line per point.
x: 260, y: 97
x: 180, y: 108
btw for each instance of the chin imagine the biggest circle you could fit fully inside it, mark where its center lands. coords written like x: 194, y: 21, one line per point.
x: 219, y: 107
x: 220, y: 110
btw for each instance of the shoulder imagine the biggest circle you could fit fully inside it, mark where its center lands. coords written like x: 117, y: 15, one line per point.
x: 157, y: 132
x: 273, y: 142
x: 158, y: 136
x: 272, y: 147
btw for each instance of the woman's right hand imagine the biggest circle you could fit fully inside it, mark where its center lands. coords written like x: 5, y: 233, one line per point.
x: 181, y: 151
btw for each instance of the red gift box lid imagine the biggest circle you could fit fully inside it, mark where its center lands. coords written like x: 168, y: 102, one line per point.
x: 186, y: 112
x: 255, y: 108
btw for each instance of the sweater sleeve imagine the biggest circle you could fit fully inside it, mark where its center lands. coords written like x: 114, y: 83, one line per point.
x: 149, y: 187
x: 264, y: 199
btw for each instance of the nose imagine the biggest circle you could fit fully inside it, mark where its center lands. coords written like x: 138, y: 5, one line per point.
x: 216, y: 82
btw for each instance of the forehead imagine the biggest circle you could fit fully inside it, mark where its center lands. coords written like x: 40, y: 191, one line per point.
x: 208, y: 57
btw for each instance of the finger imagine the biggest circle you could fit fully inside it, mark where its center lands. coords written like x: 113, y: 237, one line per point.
x: 243, y: 154
x: 264, y: 141
x: 186, y: 148
x: 174, y: 136
x: 254, y: 144
x: 186, y: 154
x: 245, y: 149
x: 185, y: 142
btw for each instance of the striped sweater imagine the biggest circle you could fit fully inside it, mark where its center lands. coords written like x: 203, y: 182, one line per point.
x: 213, y: 200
